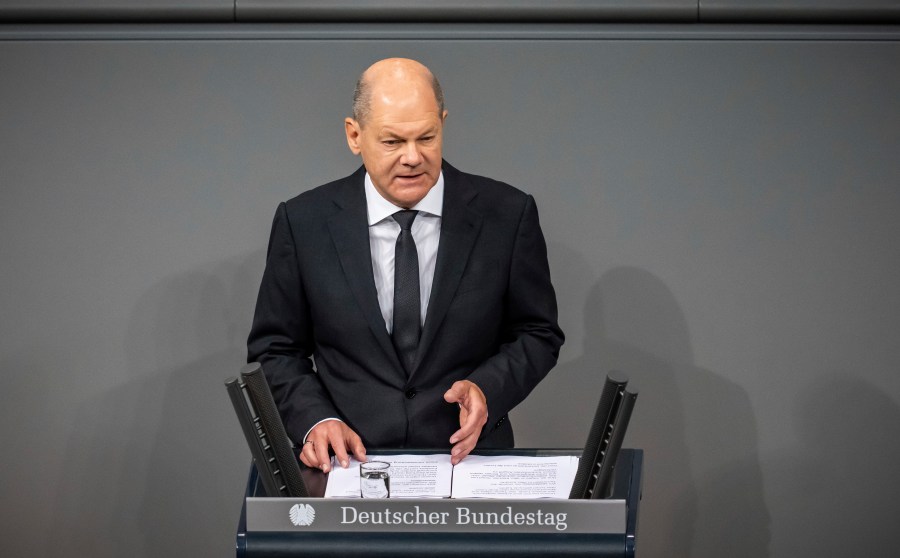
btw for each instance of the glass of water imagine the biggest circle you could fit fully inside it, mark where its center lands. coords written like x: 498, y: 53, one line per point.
x: 375, y: 479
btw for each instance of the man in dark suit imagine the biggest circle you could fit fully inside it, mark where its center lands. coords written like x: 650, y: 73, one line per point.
x: 359, y: 350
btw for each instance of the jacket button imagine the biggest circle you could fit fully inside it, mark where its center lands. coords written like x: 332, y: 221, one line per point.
x: 411, y: 392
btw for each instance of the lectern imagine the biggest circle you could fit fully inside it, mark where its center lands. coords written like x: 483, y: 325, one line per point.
x: 315, y: 526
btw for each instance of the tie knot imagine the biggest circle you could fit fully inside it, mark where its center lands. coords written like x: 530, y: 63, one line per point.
x: 405, y: 218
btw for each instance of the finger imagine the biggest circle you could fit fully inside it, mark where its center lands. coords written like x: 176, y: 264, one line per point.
x: 466, y: 437
x: 304, y: 458
x: 308, y: 455
x: 356, y: 446
x: 470, y: 421
x: 455, y: 459
x: 456, y: 393
x: 340, y: 453
x: 465, y: 430
x: 463, y: 448
x: 321, y: 450
x: 467, y: 394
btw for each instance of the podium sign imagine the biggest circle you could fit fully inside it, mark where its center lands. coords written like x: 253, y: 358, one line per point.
x: 435, y: 515
x: 475, y: 528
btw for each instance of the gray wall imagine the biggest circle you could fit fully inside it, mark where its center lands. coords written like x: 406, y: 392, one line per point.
x: 721, y: 211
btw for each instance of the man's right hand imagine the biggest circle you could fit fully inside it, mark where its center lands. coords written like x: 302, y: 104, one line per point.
x: 338, y: 436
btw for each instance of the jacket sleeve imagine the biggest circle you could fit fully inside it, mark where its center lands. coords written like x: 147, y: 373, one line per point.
x: 281, y: 337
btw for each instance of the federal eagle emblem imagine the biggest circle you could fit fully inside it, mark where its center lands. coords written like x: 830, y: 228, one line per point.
x: 302, y: 515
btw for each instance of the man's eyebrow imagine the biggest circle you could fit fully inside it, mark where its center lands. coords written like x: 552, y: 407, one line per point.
x: 388, y: 131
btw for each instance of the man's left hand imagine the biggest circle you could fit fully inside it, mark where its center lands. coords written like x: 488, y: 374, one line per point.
x: 473, y: 415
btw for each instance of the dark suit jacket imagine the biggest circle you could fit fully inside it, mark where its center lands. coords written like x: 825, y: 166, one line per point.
x: 491, y: 316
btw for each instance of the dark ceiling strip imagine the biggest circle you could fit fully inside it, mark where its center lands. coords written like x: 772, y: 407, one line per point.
x: 452, y: 11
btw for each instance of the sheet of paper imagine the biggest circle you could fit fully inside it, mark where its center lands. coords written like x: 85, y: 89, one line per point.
x: 412, y: 476
x: 481, y: 476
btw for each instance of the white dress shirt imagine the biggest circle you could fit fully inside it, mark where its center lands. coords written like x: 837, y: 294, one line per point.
x: 383, y: 232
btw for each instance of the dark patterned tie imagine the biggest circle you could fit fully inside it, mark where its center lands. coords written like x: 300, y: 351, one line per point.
x: 407, y: 312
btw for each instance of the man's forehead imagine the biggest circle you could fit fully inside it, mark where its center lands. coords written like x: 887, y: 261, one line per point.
x: 405, y: 116
x: 402, y: 129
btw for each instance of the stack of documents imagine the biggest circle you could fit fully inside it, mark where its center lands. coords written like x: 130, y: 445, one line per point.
x: 477, y: 476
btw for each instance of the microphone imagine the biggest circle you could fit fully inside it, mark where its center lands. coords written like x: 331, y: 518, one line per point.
x: 269, y: 443
x: 601, y: 450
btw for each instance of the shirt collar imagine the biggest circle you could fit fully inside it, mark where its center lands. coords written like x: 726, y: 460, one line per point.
x: 379, y: 209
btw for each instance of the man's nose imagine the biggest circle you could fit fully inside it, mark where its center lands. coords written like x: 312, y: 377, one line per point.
x: 411, y: 155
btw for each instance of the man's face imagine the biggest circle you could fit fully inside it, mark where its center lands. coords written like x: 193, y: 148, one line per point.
x: 400, y: 143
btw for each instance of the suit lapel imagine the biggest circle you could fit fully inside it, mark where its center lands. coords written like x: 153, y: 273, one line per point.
x: 460, y: 226
x: 349, y: 231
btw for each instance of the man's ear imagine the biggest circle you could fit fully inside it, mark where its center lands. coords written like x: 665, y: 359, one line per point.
x: 444, y: 116
x: 353, y: 131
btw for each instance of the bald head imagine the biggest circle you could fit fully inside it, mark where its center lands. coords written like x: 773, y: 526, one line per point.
x: 391, y: 80
x: 397, y: 129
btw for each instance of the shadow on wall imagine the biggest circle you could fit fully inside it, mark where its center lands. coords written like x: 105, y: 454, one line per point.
x: 157, y: 464
x: 840, y: 483
x: 702, y: 491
